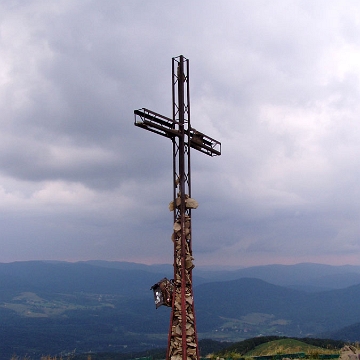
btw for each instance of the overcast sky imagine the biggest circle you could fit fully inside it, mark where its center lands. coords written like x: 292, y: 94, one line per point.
x: 277, y: 82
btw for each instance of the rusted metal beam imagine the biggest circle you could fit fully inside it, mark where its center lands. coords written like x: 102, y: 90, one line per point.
x: 178, y: 292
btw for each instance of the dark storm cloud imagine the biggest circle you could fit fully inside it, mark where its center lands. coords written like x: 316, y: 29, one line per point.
x: 276, y: 82
x: 76, y: 114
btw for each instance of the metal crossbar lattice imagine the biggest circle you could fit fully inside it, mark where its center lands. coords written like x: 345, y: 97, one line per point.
x: 182, y: 338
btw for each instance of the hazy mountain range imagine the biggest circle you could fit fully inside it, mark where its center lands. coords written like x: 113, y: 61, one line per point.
x: 57, y: 307
x: 305, y: 276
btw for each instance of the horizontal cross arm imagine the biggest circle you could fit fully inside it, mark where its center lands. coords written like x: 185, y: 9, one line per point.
x: 156, y: 123
x: 204, y: 143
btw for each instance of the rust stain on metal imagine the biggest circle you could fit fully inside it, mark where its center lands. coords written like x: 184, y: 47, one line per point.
x: 178, y: 292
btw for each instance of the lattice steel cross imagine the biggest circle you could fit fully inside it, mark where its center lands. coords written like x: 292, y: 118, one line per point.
x: 182, y: 340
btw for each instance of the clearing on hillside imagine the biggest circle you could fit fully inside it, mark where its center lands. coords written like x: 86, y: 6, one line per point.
x: 287, y: 346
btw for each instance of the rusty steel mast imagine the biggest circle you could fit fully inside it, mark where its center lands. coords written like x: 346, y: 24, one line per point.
x: 178, y: 293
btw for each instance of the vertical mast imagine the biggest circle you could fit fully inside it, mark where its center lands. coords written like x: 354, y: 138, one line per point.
x: 178, y: 293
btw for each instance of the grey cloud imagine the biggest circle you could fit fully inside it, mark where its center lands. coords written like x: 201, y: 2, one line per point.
x: 275, y: 83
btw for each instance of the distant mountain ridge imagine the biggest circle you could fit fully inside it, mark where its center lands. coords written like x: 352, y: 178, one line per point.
x: 305, y: 276
x: 73, y: 277
x: 348, y: 333
x: 53, y: 307
x: 296, y: 313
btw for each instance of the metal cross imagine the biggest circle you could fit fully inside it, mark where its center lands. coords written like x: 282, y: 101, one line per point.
x: 178, y: 293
